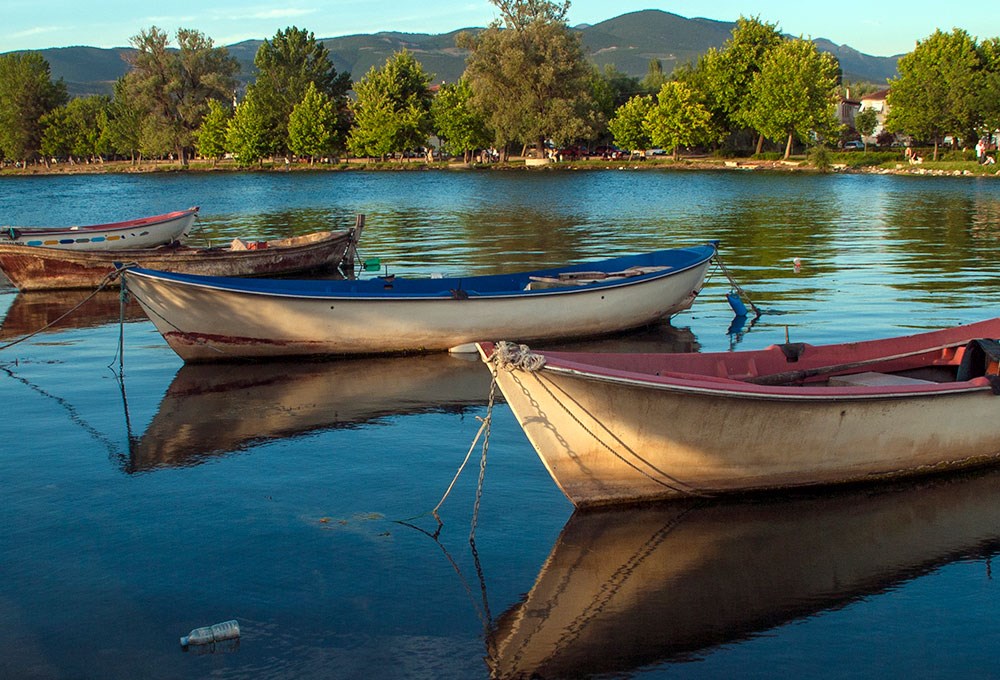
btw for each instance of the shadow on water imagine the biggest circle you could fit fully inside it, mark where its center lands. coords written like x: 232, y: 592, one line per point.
x: 628, y: 588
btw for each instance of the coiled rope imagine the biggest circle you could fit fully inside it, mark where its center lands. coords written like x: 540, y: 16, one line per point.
x: 510, y: 355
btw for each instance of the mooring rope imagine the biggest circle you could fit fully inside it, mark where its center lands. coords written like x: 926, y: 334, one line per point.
x: 736, y: 286
x: 101, y: 286
x: 484, y: 427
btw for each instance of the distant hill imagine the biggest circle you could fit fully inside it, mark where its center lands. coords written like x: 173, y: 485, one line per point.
x: 628, y: 42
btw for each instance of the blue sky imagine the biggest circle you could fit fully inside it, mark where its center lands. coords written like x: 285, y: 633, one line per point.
x: 879, y: 27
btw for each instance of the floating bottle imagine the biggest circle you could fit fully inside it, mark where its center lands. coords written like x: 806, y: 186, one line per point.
x: 227, y: 630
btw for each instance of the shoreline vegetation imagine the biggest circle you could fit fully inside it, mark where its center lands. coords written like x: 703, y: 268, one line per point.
x: 847, y: 162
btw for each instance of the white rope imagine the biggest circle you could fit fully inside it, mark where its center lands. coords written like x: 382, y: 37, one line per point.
x: 510, y: 356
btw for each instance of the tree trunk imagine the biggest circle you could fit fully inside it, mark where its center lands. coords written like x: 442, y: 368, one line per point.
x: 935, y: 148
x: 760, y: 143
x: 788, y: 146
x: 675, y: 155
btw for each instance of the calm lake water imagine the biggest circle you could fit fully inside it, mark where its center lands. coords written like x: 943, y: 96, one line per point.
x: 135, y: 510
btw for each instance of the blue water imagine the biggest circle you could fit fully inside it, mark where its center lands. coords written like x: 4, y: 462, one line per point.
x: 136, y: 510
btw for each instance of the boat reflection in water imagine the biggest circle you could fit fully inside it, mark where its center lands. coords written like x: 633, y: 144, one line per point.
x: 623, y: 589
x: 30, y: 312
x: 214, y: 409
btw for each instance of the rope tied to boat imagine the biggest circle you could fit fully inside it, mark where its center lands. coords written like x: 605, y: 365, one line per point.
x: 736, y: 287
x: 484, y: 432
x: 511, y: 356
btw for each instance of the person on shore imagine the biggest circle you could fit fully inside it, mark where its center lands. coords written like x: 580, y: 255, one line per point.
x: 980, y: 150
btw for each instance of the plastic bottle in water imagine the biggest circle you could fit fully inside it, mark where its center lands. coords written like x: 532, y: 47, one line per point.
x: 227, y: 630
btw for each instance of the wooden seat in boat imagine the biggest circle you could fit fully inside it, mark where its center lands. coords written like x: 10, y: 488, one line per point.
x: 873, y: 379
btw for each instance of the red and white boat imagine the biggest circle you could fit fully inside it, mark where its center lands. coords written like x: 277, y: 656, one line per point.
x: 621, y: 428
x: 145, y: 232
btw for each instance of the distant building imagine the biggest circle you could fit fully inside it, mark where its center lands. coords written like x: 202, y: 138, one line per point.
x: 878, y: 101
x: 847, y: 109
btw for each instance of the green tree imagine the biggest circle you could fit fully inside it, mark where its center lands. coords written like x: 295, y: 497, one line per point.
x: 58, y: 135
x: 937, y: 92
x: 865, y: 122
x: 677, y: 118
x: 461, y: 127
x: 528, y: 75
x: 655, y: 77
x: 88, y: 114
x: 247, y: 135
x: 122, y: 122
x: 211, y: 137
x: 610, y: 89
x: 793, y: 95
x: 628, y: 126
x: 392, y: 109
x: 989, y: 99
x: 724, y: 76
x: 155, y: 140
x: 312, y: 125
x: 26, y: 94
x: 286, y: 66
x: 173, y: 87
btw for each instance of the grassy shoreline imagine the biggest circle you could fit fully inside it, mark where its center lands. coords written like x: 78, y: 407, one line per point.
x: 852, y: 162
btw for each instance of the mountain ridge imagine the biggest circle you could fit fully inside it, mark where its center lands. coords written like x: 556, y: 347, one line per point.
x: 628, y: 42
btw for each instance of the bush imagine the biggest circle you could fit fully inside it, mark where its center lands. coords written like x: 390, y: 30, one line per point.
x: 819, y: 156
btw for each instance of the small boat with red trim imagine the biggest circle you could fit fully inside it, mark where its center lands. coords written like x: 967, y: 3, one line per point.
x: 623, y: 428
x: 35, y: 269
x: 144, y: 232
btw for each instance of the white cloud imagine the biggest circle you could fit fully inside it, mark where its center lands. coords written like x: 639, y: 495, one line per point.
x: 37, y: 30
x: 279, y: 13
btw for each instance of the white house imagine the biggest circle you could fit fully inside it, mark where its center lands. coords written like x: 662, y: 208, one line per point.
x: 879, y: 102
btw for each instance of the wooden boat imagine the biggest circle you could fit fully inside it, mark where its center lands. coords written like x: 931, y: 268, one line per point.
x: 625, y: 591
x: 32, y: 268
x: 211, y: 318
x: 618, y: 428
x: 145, y: 232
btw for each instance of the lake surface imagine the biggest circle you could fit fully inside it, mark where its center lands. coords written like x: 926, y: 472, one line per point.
x: 179, y: 496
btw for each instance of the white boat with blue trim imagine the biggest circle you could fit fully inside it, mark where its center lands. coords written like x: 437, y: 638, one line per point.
x: 218, y: 319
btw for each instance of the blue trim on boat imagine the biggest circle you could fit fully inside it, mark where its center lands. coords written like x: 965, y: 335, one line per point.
x: 498, y: 285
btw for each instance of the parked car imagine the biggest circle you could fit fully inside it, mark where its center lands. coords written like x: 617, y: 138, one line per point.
x: 572, y: 153
x: 608, y: 152
x: 853, y: 145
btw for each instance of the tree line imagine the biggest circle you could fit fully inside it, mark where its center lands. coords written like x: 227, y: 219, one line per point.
x: 527, y: 84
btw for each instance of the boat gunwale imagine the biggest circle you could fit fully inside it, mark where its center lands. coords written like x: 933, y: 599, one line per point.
x: 731, y: 388
x: 152, y: 220
x: 167, y: 252
x: 239, y: 286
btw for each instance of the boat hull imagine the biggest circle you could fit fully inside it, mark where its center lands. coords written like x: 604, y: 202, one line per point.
x: 146, y: 232
x: 209, y: 323
x: 33, y: 268
x: 609, y: 439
